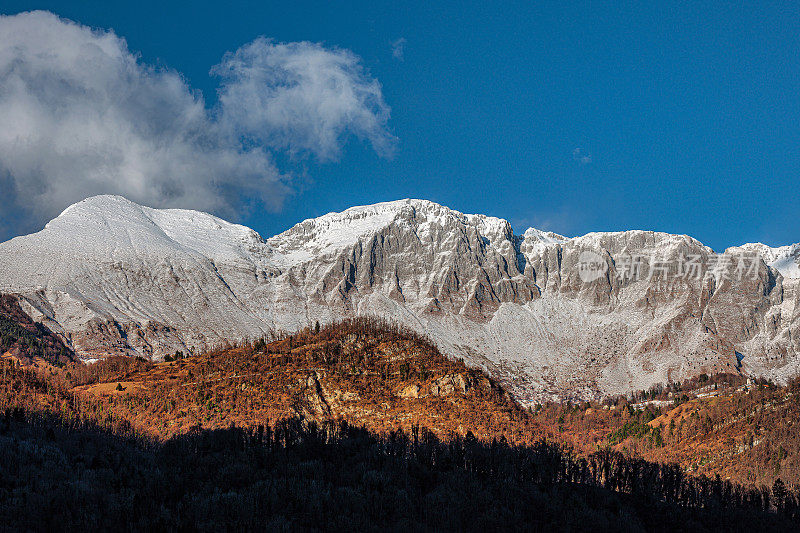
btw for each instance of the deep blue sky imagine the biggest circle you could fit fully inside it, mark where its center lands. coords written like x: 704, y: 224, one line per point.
x: 689, y: 113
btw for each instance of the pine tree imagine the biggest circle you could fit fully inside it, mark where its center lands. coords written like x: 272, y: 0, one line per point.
x: 779, y: 493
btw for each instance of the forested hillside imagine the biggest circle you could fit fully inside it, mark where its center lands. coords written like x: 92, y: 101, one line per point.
x: 363, y: 371
x: 359, y: 425
x: 725, y: 425
x: 70, y: 465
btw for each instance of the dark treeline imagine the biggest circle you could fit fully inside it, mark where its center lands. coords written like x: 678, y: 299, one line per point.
x: 58, y: 474
x: 681, y: 391
x: 374, y: 326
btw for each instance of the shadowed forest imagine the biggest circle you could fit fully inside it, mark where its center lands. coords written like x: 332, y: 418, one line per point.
x: 295, y: 475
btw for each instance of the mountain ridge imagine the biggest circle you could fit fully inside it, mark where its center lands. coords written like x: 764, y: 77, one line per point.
x: 107, y: 202
x: 113, y: 277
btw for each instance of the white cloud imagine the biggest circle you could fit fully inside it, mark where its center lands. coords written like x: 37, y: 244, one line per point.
x: 81, y: 115
x: 399, y: 49
x: 301, y: 97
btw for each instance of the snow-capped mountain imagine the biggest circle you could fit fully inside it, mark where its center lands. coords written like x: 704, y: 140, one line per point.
x: 549, y: 316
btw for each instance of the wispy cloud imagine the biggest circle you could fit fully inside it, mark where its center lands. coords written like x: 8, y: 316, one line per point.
x: 82, y: 115
x: 581, y: 157
x: 399, y: 49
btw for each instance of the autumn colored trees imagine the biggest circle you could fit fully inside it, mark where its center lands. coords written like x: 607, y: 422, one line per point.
x: 74, y: 459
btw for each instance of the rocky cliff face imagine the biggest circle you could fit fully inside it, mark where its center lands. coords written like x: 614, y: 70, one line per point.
x: 547, y: 315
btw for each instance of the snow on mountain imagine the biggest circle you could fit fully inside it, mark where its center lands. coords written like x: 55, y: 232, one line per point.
x: 329, y: 233
x: 784, y: 259
x: 115, y: 277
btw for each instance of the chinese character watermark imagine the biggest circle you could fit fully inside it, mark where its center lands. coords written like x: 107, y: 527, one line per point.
x: 592, y: 266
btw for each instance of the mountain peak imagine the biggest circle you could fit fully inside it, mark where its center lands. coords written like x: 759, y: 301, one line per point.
x: 112, y: 225
x: 337, y: 230
x: 102, y: 201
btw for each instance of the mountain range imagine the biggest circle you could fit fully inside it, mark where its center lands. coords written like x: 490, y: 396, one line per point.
x: 548, y: 316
